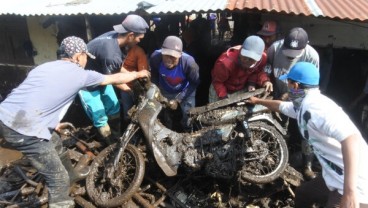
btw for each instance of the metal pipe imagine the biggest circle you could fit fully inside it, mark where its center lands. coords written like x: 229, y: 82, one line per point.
x: 84, y: 203
x: 21, y: 173
x: 142, y: 201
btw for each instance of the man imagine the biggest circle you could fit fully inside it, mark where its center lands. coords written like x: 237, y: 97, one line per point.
x: 240, y: 69
x: 101, y: 104
x: 336, y: 141
x: 176, y: 74
x: 282, y: 55
x: 32, y: 111
x: 268, y: 33
x: 136, y: 60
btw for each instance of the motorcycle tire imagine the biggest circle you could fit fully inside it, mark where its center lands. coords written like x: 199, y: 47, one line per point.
x: 109, y: 186
x: 270, y: 142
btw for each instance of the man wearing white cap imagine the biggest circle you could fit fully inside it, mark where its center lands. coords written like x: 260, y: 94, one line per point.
x: 240, y: 69
x: 176, y: 74
x: 32, y: 111
x: 110, y: 49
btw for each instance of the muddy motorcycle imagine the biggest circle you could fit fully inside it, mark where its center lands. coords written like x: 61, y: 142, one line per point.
x: 231, y: 139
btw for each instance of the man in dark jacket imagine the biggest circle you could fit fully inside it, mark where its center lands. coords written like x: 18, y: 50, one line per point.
x: 176, y: 74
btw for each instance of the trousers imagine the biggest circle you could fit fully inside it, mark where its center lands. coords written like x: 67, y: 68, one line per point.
x: 99, y: 104
x: 44, y: 156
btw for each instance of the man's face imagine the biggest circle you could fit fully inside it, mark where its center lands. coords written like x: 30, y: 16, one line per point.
x: 82, y: 59
x: 268, y: 40
x: 246, y: 62
x: 134, y: 39
x: 170, y: 61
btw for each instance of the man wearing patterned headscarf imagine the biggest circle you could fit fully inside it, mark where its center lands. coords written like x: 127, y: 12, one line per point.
x: 32, y: 111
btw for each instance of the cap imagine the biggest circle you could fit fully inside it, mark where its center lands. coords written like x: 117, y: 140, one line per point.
x: 132, y: 23
x: 303, y: 72
x: 72, y: 45
x: 269, y: 28
x: 172, y: 46
x: 295, y: 42
x: 253, y: 47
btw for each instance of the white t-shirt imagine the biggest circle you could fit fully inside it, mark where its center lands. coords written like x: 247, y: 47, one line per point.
x: 324, y: 125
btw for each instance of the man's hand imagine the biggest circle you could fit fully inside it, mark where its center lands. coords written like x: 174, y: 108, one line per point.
x: 284, y: 97
x: 224, y: 97
x: 65, y: 128
x: 251, y: 88
x: 144, y: 74
x: 269, y: 86
x: 253, y: 100
x: 173, y: 104
x: 124, y: 87
x: 349, y: 200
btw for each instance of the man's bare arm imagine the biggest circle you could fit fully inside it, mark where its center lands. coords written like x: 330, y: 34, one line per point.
x: 123, y: 78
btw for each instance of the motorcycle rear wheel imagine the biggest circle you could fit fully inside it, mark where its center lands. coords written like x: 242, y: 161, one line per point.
x: 272, y: 152
x: 109, y: 186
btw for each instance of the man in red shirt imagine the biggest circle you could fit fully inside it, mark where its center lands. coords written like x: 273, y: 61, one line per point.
x: 269, y: 33
x: 240, y: 69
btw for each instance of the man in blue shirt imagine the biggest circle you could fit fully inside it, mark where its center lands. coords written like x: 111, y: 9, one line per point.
x: 176, y: 74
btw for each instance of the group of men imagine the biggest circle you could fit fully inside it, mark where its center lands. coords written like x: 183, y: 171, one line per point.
x: 288, y: 67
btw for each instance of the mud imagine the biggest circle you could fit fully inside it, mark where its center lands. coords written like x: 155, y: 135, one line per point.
x: 8, y: 155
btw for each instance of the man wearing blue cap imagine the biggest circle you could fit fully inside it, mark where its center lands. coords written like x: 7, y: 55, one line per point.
x: 337, y: 143
x: 110, y: 49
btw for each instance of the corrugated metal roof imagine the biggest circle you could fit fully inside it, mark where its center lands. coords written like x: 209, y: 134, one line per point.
x: 181, y: 6
x: 71, y: 7
x: 287, y: 6
x: 341, y: 9
x: 344, y: 9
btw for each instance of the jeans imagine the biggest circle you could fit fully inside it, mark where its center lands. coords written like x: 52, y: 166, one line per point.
x: 127, y: 102
x: 44, y: 156
x: 185, y: 105
x: 99, y: 104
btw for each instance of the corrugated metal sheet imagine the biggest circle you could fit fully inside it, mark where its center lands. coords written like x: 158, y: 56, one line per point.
x: 344, y: 9
x: 181, y: 6
x: 287, y: 6
x: 70, y: 7
x: 340, y: 9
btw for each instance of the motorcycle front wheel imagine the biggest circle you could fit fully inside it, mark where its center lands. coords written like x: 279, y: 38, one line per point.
x: 110, y: 186
x: 265, y: 154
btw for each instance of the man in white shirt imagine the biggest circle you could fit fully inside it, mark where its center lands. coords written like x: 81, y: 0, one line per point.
x: 337, y: 143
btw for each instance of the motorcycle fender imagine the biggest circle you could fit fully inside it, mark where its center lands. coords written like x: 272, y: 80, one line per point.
x: 146, y: 118
x: 269, y: 119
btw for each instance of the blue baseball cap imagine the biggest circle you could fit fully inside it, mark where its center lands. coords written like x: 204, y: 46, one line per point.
x: 304, y: 73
